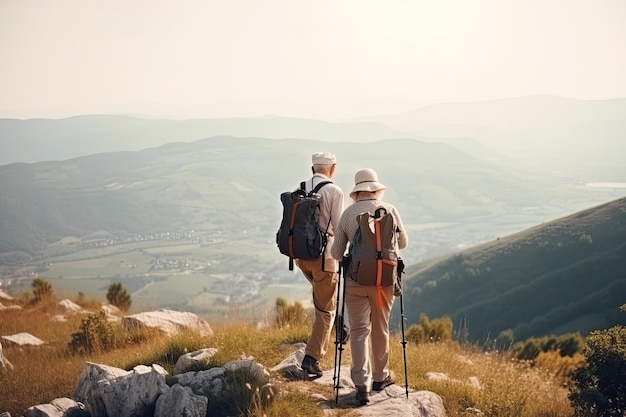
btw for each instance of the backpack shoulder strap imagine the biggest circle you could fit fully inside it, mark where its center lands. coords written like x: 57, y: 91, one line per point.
x: 320, y: 185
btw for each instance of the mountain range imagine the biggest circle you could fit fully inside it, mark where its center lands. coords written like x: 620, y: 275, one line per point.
x: 477, y: 211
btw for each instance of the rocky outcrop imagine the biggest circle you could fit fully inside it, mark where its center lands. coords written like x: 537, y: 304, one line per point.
x: 392, y: 401
x: 108, y: 391
x: 144, y: 391
x: 169, y: 321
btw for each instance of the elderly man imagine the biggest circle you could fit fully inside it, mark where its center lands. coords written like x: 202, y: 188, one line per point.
x: 322, y: 272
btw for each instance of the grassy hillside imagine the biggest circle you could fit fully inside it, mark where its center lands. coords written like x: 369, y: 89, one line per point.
x: 41, y: 374
x: 563, y: 276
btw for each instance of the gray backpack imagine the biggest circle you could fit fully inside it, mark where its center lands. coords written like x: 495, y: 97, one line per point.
x: 373, y: 254
x: 299, y: 235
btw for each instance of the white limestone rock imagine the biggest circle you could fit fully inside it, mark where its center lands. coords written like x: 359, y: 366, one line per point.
x: 22, y: 339
x: 110, y: 309
x: 107, y: 391
x: 69, y: 306
x: 60, y: 407
x: 181, y: 401
x: 5, y: 296
x: 4, y: 362
x: 193, y: 360
x: 169, y: 321
x: 290, y: 367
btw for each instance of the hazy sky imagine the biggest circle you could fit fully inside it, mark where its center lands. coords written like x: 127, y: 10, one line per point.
x: 319, y: 58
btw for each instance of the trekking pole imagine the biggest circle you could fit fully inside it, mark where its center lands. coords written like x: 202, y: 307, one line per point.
x: 404, y: 342
x: 406, y: 378
x: 338, y: 337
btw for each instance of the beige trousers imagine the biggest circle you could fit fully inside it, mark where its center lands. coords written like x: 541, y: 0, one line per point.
x: 368, y: 315
x: 324, y: 285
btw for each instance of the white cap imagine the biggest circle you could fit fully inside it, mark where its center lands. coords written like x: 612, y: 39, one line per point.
x: 323, y: 158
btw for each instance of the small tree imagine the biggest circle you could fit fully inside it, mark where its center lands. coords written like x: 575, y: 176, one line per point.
x: 118, y: 296
x: 42, y: 290
x: 599, y: 385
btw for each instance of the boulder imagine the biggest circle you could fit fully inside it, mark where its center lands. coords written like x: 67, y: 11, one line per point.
x: 4, y: 362
x: 60, y: 407
x: 290, y: 366
x: 169, y: 321
x: 110, y: 309
x: 215, y: 380
x: 193, y: 361
x: 181, y: 401
x: 112, y: 392
x: 69, y: 306
x: 5, y: 296
x: 22, y: 339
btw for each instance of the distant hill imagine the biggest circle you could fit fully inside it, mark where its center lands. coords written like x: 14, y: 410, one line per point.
x: 563, y: 276
x: 36, y: 140
x: 503, y: 116
x: 227, y: 182
x: 580, y: 138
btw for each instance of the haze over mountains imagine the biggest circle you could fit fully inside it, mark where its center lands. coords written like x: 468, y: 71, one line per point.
x: 461, y: 175
x: 549, y: 133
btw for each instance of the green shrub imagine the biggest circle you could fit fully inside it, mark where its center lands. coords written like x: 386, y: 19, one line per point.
x: 42, y: 290
x: 118, y: 296
x: 567, y: 345
x: 95, y: 334
x: 428, y: 331
x: 599, y: 385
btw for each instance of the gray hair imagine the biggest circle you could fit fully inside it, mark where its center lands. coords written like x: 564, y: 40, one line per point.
x: 378, y: 194
x: 322, y: 169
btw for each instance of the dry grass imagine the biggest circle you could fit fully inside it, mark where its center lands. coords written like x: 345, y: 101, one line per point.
x: 508, y: 389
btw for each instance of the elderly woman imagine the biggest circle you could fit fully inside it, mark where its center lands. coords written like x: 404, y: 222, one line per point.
x: 368, y: 312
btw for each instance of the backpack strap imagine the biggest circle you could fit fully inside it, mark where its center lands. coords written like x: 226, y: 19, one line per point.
x: 292, y: 220
x: 318, y: 186
x: 382, y: 297
x: 315, y: 191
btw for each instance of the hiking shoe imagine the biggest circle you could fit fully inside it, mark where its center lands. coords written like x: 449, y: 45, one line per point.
x: 311, y: 366
x: 390, y: 380
x: 362, y: 395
